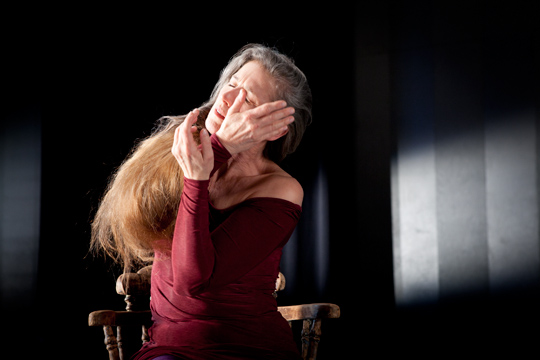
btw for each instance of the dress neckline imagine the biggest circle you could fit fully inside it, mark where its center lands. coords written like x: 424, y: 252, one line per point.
x: 256, y: 199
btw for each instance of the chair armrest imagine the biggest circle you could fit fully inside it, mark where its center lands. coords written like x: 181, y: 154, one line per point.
x: 310, y: 311
x: 290, y: 313
x: 119, y: 318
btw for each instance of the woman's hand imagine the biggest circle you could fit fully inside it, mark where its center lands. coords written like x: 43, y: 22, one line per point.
x: 241, y: 130
x: 196, y: 162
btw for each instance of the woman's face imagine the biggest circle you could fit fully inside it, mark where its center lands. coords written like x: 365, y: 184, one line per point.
x: 255, y: 80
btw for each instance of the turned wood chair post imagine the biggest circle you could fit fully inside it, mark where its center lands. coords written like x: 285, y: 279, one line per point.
x: 145, y: 338
x: 311, y: 316
x: 130, y: 285
x: 120, y: 339
x: 111, y: 343
x: 311, y: 335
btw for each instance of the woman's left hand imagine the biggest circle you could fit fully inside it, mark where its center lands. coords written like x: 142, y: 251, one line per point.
x: 239, y: 131
x: 196, y: 161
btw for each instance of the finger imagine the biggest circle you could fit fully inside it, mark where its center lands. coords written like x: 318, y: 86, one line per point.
x: 276, y: 134
x: 177, y: 143
x: 191, y: 118
x: 278, y: 118
x: 189, y: 121
x: 206, y: 145
x: 176, y: 131
x: 279, y: 115
x: 237, y: 104
x: 185, y: 136
x: 194, y: 116
x: 270, y: 129
x: 268, y: 108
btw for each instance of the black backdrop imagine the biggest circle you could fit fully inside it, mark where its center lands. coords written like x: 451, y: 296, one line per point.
x: 100, y: 77
x: 107, y: 78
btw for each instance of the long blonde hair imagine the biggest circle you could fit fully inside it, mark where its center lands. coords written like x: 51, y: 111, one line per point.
x: 138, y: 211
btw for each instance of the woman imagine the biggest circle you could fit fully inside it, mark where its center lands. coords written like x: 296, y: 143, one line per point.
x: 216, y: 243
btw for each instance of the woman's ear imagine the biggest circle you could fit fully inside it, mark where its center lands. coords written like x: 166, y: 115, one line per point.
x: 284, y: 132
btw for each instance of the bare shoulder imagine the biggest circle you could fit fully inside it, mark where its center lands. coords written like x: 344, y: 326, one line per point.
x: 281, y: 185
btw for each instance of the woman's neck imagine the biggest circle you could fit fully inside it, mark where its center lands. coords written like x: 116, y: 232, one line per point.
x: 245, y: 164
x: 238, y: 178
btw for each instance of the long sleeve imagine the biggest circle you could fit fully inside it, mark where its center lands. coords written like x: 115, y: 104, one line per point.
x: 191, y: 243
x: 202, y: 260
x: 221, y: 155
x: 192, y: 249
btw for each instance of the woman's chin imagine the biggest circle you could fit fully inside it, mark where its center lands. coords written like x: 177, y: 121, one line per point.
x: 211, y: 126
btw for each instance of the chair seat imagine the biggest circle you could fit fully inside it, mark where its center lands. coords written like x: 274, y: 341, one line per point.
x: 290, y: 313
x: 136, y: 288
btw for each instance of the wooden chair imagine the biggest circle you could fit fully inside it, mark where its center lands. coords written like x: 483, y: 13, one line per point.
x: 136, y: 289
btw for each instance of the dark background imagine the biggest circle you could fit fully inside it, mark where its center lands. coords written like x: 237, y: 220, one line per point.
x: 93, y: 81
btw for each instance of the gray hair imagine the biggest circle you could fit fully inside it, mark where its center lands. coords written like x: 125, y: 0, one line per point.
x: 291, y: 86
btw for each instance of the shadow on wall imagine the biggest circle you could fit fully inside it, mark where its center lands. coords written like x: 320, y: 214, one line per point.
x: 465, y: 173
x: 465, y: 178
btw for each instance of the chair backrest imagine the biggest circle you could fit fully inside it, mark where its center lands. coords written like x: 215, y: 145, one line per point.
x: 136, y: 289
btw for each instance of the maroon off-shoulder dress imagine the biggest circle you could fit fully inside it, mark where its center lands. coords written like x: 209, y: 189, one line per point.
x: 212, y: 293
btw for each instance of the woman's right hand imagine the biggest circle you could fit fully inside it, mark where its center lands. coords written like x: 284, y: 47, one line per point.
x: 196, y: 161
x: 239, y: 131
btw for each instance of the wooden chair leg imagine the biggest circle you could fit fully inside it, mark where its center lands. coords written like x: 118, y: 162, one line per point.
x: 311, y: 335
x: 145, y: 338
x: 120, y: 340
x: 111, y: 343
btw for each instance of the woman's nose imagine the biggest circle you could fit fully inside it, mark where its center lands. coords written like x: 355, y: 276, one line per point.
x: 230, y: 95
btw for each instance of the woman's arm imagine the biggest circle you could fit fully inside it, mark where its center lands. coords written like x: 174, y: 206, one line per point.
x: 192, y: 252
x: 191, y: 243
